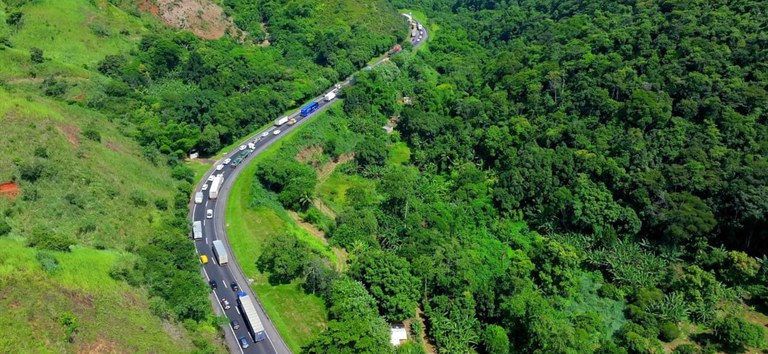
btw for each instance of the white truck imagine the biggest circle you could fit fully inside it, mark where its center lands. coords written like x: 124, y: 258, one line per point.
x: 330, y: 96
x: 197, y: 230
x: 220, y: 252
x: 213, y: 191
x: 280, y: 121
x: 198, y: 197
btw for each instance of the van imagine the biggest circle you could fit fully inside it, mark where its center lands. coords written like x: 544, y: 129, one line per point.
x: 204, y: 259
x: 198, y: 197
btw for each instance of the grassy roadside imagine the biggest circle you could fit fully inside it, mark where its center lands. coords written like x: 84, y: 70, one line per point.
x: 297, y: 316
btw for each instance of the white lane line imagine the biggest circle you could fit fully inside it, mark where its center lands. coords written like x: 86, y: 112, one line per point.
x: 203, y: 222
x: 194, y: 209
x: 207, y: 277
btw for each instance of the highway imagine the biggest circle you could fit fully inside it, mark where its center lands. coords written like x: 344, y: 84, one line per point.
x: 214, y: 229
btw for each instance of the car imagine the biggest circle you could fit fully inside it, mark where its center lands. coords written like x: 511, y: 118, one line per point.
x: 235, y: 324
x: 209, y: 214
x: 264, y: 134
x: 235, y: 287
x: 204, y: 259
x: 243, y: 342
x: 227, y: 160
x: 276, y: 131
x: 219, y: 167
x: 225, y: 304
x: 205, y: 187
x: 213, y: 284
x: 210, y: 178
x: 242, y: 147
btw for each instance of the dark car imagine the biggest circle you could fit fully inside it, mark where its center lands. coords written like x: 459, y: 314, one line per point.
x: 213, y: 284
x: 235, y: 287
x: 244, y: 342
x: 235, y: 324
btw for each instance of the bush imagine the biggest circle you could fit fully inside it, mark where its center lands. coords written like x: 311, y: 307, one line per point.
x: 36, y: 55
x: 138, y: 199
x: 669, y: 331
x: 92, y: 134
x: 43, y: 239
x: 686, y: 349
x: 53, y: 87
x: 31, y: 172
x: 49, y: 263
x: 5, y: 228
x: 736, y: 333
x: 183, y: 173
x: 161, y: 204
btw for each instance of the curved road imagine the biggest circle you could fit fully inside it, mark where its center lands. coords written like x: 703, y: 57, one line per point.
x: 213, y: 229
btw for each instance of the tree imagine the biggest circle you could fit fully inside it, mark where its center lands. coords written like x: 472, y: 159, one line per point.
x: 495, y: 340
x: 736, y: 333
x: 285, y: 259
x: 5, y: 228
x: 388, y: 278
x: 36, y: 55
x: 371, y: 152
x: 112, y: 65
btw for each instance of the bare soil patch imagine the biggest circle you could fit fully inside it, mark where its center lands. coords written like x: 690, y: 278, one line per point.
x: 71, y: 132
x: 101, y: 345
x: 115, y: 147
x: 202, y: 17
x: 309, y: 153
x: 324, y: 172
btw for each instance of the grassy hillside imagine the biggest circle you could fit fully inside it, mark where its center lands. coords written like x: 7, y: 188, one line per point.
x: 84, y: 182
x: 110, y: 316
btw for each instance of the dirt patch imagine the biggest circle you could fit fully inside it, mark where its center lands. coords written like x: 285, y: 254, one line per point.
x: 101, y: 345
x: 310, y: 153
x: 10, y: 190
x: 324, y: 172
x: 115, y: 147
x: 428, y: 347
x: 314, y: 231
x: 202, y: 17
x: 71, y: 132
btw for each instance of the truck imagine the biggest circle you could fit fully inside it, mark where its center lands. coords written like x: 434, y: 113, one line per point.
x: 414, y: 33
x: 198, y: 197
x: 197, y: 230
x: 213, y: 191
x: 220, y: 252
x: 251, y: 317
x: 330, y: 96
x: 280, y: 121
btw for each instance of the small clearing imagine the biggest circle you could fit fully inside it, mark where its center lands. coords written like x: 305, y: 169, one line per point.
x: 202, y: 17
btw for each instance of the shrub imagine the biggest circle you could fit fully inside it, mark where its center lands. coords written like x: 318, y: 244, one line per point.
x: 49, y: 263
x: 161, y: 203
x: 138, y: 199
x: 42, y: 152
x: 686, y: 349
x: 736, y: 333
x: 36, y: 55
x: 43, y: 239
x: 669, y: 331
x: 53, y: 87
x: 92, y: 134
x: 5, y: 228
x: 183, y: 173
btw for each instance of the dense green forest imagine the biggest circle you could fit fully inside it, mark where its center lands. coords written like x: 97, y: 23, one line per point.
x: 586, y: 177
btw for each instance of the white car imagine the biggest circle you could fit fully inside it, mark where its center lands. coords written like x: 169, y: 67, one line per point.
x: 242, y: 147
x: 205, y: 187
x: 209, y: 214
x: 210, y: 178
x: 276, y: 131
x: 264, y: 134
x: 219, y: 167
x: 228, y: 160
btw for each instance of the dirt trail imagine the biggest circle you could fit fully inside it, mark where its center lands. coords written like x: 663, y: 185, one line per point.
x: 341, y: 255
x: 324, y: 172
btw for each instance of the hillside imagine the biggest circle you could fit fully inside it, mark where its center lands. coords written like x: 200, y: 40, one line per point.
x: 91, y: 202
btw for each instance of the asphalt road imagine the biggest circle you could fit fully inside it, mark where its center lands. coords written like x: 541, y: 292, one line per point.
x: 213, y: 229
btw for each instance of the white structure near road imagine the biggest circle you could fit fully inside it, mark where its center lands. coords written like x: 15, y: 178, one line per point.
x: 399, y: 335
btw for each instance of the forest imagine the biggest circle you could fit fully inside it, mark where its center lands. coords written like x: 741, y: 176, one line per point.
x: 584, y: 177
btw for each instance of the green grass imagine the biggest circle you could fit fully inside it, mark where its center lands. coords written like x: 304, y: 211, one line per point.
x: 333, y: 190
x: 399, y: 154
x: 200, y: 168
x: 297, y: 316
x: 112, y: 316
x: 66, y: 30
